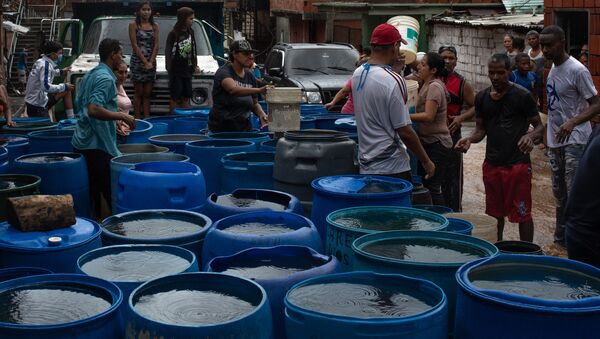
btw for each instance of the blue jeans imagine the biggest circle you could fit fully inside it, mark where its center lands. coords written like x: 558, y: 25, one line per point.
x: 563, y: 163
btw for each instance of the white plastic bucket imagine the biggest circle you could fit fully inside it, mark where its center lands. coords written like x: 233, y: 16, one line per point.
x: 412, y: 87
x: 484, y: 226
x: 409, y: 29
x: 284, y: 108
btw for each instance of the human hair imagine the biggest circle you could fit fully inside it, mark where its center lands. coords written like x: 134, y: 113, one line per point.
x: 518, y: 43
x: 51, y: 47
x: 367, y: 50
x: 520, y: 57
x: 500, y: 58
x: 182, y: 14
x: 532, y: 32
x: 381, y: 48
x: 138, y: 19
x: 118, y: 64
x: 435, y: 60
x: 556, y: 31
x: 107, y: 47
x: 512, y: 38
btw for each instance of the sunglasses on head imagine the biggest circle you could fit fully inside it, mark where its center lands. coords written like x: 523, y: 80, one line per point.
x: 447, y: 48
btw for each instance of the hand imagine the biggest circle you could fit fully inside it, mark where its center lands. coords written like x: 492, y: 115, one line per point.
x: 329, y: 105
x: 69, y: 87
x: 264, y: 89
x: 264, y: 120
x: 463, y: 145
x: 564, y: 132
x: 455, y: 123
x: 122, y: 128
x: 525, y: 144
x: 197, y: 69
x: 129, y: 120
x: 66, y: 69
x: 429, y: 168
x: 148, y: 66
x: 11, y: 123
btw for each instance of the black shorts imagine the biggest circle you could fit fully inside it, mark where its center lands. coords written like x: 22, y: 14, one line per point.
x: 180, y: 87
x: 37, y: 111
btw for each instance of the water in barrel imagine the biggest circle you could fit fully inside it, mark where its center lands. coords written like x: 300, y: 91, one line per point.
x: 192, y: 307
x: 425, y: 250
x: 385, y: 220
x: 259, y: 228
x: 46, y: 159
x: 231, y: 201
x: 361, y: 300
x: 53, y: 303
x: 153, y: 228
x: 276, y: 267
x: 135, y: 266
x: 6, y: 184
x: 537, y: 282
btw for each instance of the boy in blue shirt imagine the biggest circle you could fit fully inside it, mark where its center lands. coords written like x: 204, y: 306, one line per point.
x: 522, y: 75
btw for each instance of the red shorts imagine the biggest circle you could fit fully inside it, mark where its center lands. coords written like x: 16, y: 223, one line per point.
x: 508, y: 191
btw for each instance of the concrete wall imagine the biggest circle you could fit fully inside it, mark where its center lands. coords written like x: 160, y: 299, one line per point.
x: 475, y: 45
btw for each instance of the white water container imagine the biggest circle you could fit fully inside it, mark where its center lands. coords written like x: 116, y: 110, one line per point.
x: 409, y: 29
x: 484, y: 226
x: 412, y: 87
x: 284, y: 108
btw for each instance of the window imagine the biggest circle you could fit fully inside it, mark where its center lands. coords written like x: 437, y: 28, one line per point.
x: 275, y: 60
x: 575, y: 24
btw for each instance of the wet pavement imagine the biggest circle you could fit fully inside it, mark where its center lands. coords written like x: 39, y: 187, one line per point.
x: 542, y: 197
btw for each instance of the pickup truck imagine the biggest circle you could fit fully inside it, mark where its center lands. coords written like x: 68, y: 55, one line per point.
x: 85, y: 56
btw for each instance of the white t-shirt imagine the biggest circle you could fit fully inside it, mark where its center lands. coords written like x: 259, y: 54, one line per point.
x: 569, y: 86
x: 380, y: 108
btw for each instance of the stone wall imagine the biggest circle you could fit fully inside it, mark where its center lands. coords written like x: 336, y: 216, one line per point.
x: 474, y: 45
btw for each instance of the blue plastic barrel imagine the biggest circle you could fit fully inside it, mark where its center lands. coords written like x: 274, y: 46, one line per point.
x: 129, y: 266
x: 348, y: 224
x: 436, y: 257
x: 247, y: 170
x: 28, y: 126
x: 227, y: 236
x: 276, y: 269
x: 20, y: 272
x: 268, y: 146
x: 169, y: 227
x: 175, y: 142
x: 141, y: 133
x: 62, y: 306
x: 207, y: 155
x: 200, y: 305
x: 191, y: 125
x: 459, y: 226
x: 56, y: 250
x: 255, y: 137
x: 159, y: 128
x: 18, y: 145
x: 16, y: 185
x: 26, y: 119
x: 61, y: 173
x: 366, y: 305
x: 4, y: 163
x: 141, y: 148
x: 67, y: 123
x: 250, y: 200
x: 54, y: 140
x: 192, y: 111
x: 161, y: 184
x: 434, y: 208
x: 535, y: 296
x: 346, y: 124
x: 163, y: 119
x: 307, y: 122
x: 118, y: 164
x: 310, y: 109
x: 327, y: 121
x: 336, y: 192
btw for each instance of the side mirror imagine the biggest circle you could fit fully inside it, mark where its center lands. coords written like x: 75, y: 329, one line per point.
x: 275, y: 72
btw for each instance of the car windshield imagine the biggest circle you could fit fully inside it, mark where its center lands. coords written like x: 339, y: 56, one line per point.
x: 322, y: 61
x: 117, y: 28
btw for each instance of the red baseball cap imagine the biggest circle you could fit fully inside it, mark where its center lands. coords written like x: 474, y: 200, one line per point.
x: 386, y: 34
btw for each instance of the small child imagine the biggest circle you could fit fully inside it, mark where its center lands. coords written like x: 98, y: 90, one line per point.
x: 522, y: 75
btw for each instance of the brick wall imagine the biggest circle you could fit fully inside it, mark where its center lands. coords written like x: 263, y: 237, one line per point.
x: 593, y: 6
x: 475, y: 45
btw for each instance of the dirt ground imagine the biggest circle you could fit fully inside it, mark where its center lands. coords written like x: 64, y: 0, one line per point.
x: 543, y: 200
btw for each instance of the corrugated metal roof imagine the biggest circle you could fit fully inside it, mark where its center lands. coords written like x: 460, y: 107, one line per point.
x: 524, y: 6
x: 529, y: 21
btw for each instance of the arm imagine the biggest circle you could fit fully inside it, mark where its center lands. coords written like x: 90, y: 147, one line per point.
x: 564, y: 132
x: 45, y: 81
x: 168, y: 48
x: 476, y: 136
x: 101, y: 113
x: 469, y: 101
x: 134, y: 45
x: 156, y: 44
x: 6, y: 105
x: 258, y: 111
x: 340, y: 94
x: 411, y: 140
x: 229, y: 85
x: 431, y: 107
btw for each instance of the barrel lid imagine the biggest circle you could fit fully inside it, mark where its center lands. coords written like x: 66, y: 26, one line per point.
x: 316, y: 135
x: 361, y: 184
x: 83, y: 231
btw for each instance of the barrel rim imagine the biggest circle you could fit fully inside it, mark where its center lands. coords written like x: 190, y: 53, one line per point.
x: 241, y: 143
x: 359, y: 243
x: 520, y: 302
x: 106, y: 233
x: 329, y: 219
x: 147, y: 125
x: 248, y: 135
x: 159, y: 138
x: 535, y: 248
x: 183, y: 157
x: 123, y: 147
x: 229, y: 159
x: 263, y: 252
x: 211, y: 199
x: 59, y: 134
x: 196, y: 275
x: 315, y: 134
x: 463, y: 222
x: 184, y: 167
x: 318, y: 189
x: 108, y: 250
x: 265, y: 214
x: 16, y: 249
x: 439, y: 307
x: 79, y: 279
x: 25, y: 138
x: 37, y: 182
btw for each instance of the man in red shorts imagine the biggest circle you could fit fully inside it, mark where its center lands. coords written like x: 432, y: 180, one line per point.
x: 504, y: 112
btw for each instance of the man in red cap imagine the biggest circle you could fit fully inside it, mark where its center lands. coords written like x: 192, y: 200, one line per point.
x: 382, y: 118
